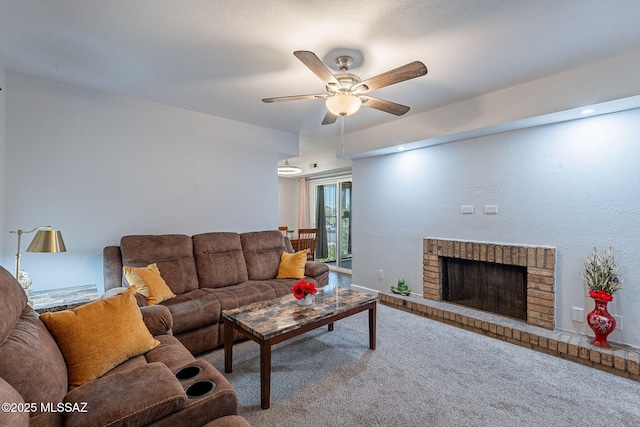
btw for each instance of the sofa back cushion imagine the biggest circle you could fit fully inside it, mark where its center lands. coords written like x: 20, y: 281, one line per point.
x: 173, y: 254
x: 30, y: 360
x: 262, y: 252
x: 219, y: 259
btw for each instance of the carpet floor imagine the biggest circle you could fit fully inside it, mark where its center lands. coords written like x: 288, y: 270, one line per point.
x: 423, y: 373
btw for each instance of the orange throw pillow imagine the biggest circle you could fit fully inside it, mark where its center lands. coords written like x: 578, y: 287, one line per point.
x: 98, y: 336
x: 292, y: 265
x: 149, y: 283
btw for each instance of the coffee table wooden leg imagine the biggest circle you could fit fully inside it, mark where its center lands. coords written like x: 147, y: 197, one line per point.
x: 228, y: 346
x: 372, y: 327
x: 330, y: 327
x: 265, y: 374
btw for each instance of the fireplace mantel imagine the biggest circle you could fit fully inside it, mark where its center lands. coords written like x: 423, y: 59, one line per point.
x: 539, y: 262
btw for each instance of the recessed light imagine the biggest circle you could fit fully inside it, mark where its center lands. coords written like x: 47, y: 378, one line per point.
x: 587, y: 111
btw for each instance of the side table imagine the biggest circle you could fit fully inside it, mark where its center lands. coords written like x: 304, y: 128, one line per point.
x: 64, y: 298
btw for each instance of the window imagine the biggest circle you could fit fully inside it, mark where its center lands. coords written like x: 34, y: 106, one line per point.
x: 331, y: 214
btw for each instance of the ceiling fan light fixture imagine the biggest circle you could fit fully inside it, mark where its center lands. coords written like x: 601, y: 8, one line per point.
x: 343, y: 104
x: 287, y: 169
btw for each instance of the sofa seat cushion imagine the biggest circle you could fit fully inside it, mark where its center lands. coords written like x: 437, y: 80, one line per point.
x: 170, y: 352
x: 96, y: 337
x: 173, y: 254
x: 243, y: 294
x: 133, y: 397
x: 219, y: 259
x: 193, y: 309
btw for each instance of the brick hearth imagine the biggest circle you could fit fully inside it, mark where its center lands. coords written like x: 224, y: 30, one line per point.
x: 619, y: 360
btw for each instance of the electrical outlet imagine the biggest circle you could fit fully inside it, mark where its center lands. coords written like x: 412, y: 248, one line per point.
x: 577, y: 314
x: 619, y: 324
x: 380, y: 274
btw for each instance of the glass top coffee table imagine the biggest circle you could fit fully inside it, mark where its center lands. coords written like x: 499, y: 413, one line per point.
x: 271, y: 322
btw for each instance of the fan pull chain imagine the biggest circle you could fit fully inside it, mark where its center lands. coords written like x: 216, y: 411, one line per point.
x: 342, y: 134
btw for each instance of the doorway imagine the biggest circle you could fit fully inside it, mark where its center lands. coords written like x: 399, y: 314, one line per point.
x: 331, y: 207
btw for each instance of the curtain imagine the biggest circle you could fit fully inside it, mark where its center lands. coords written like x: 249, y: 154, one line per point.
x: 303, y: 203
x: 322, y: 251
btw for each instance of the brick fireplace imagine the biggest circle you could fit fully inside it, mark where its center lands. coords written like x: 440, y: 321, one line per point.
x: 538, y: 261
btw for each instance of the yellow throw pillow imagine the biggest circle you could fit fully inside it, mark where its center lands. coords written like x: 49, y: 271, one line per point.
x: 149, y: 283
x: 98, y: 336
x: 292, y: 265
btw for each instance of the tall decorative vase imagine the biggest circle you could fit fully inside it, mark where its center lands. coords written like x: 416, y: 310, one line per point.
x: 307, y: 300
x: 601, y: 322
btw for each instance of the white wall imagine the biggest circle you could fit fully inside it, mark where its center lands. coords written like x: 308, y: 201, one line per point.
x: 288, y: 203
x: 3, y: 116
x: 573, y: 186
x: 99, y: 166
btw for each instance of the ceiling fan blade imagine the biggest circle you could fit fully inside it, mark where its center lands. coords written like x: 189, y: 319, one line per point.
x: 293, y: 98
x: 384, y: 105
x: 329, y: 118
x: 400, y: 74
x: 317, y: 66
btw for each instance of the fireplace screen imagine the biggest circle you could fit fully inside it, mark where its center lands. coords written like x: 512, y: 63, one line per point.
x: 497, y: 288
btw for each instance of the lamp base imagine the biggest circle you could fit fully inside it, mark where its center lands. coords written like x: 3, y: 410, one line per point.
x: 25, y: 282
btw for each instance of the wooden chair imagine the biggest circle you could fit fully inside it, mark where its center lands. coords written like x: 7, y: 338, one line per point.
x: 283, y: 229
x: 307, y: 239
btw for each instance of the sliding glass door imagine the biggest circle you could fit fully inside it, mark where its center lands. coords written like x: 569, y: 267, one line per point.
x: 332, y: 207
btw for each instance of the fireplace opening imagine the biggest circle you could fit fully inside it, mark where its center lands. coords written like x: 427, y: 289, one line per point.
x: 496, y: 288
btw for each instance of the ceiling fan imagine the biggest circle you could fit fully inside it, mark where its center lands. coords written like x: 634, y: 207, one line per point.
x: 346, y: 92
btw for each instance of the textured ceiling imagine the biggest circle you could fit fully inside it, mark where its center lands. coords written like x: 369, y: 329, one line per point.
x: 223, y: 57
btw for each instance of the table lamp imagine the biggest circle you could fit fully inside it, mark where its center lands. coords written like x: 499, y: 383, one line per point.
x: 46, y: 240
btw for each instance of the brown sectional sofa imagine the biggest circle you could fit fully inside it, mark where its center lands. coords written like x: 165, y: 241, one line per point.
x: 209, y: 273
x: 144, y: 390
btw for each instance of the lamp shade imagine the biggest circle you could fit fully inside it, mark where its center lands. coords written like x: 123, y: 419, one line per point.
x: 343, y: 104
x: 47, y: 240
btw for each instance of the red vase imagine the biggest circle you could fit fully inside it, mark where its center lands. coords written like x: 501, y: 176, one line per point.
x: 601, y: 322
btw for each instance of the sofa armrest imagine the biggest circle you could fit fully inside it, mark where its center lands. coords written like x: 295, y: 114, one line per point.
x: 112, y: 267
x: 11, y: 416
x: 140, y: 299
x: 136, y: 396
x: 315, y: 269
x: 158, y: 319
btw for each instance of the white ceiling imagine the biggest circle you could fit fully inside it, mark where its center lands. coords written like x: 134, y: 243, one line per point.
x: 222, y: 57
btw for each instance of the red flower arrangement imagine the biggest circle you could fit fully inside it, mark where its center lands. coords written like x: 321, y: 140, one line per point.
x: 601, y: 295
x: 302, y: 288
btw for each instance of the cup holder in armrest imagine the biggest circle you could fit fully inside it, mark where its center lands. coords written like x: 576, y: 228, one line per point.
x: 188, y: 373
x: 199, y: 389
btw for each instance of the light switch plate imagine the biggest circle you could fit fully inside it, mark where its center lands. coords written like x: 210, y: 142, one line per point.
x: 490, y: 209
x: 466, y: 209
